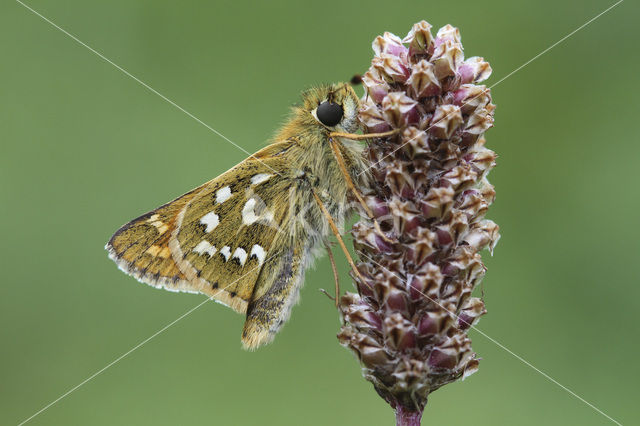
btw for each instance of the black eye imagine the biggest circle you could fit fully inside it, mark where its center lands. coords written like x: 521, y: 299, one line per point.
x: 329, y: 113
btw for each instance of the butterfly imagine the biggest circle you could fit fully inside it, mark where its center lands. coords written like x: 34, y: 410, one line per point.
x: 246, y: 237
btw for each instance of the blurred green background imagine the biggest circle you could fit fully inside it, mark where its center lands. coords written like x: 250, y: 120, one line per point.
x: 85, y: 148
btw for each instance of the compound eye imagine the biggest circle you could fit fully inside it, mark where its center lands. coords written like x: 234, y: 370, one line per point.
x: 329, y: 113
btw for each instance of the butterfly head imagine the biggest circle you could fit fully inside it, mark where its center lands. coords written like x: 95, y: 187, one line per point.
x: 333, y: 107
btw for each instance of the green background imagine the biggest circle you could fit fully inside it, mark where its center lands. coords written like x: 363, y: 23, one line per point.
x: 86, y: 148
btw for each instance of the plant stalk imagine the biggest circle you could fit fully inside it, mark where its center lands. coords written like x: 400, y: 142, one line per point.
x: 407, y: 417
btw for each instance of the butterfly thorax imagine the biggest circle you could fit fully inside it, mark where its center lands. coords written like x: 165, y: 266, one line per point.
x: 317, y: 169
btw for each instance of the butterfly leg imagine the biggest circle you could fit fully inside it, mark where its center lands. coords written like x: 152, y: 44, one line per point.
x: 335, y: 273
x: 336, y: 232
x: 354, y: 190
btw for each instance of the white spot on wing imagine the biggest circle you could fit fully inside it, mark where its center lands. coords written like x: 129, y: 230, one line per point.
x: 205, y: 247
x: 241, y: 255
x: 223, y: 194
x: 260, y: 178
x: 258, y: 252
x: 226, y: 252
x: 211, y: 220
x: 249, y: 215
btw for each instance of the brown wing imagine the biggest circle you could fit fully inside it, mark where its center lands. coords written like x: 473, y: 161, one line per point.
x: 170, y: 247
x: 141, y: 247
x: 225, y: 234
